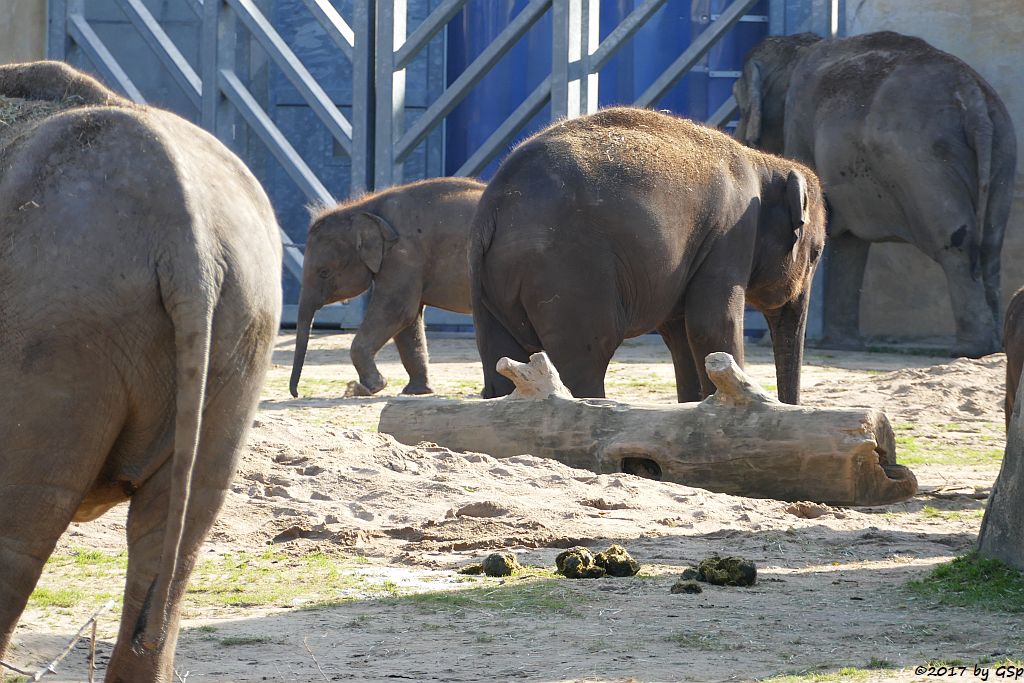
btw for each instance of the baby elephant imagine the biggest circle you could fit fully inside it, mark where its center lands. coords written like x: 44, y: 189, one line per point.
x: 410, y: 243
x: 1013, y: 344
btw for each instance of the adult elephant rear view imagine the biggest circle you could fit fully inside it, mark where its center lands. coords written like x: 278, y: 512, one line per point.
x: 911, y: 145
x: 139, y: 299
x: 611, y: 225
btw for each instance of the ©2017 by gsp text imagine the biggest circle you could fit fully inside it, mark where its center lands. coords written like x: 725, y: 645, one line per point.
x: 1005, y: 672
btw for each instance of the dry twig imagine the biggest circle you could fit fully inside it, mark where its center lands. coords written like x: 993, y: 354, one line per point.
x: 306, y: 645
x: 52, y: 666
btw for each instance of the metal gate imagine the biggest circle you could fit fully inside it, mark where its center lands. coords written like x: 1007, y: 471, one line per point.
x: 326, y: 99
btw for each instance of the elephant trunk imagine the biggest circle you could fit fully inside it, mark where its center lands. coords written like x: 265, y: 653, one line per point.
x: 307, y: 307
x: 787, y: 326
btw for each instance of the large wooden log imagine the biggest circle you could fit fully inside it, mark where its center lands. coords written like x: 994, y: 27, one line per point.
x: 740, y: 440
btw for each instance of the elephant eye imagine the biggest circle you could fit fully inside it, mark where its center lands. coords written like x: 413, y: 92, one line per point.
x: 323, y: 274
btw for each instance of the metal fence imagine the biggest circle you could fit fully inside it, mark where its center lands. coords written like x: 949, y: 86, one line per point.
x: 216, y: 55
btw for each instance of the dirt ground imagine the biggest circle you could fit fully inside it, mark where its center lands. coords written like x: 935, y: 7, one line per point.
x: 345, y: 543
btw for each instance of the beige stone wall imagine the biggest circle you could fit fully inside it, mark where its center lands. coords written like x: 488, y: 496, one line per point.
x: 905, y: 294
x: 22, y: 30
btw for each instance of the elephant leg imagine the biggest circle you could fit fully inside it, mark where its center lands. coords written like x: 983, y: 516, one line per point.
x: 494, y: 342
x: 975, y: 325
x: 386, y: 315
x: 225, y: 423
x: 714, y: 322
x: 687, y: 380
x: 411, y: 343
x: 580, y: 332
x: 27, y: 537
x: 51, y: 451
x: 847, y: 257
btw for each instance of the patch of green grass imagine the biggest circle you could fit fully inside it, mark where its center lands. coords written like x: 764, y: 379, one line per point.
x: 57, y: 597
x: 531, y: 594
x: 847, y: 673
x: 913, y: 450
x: 82, y: 576
x: 935, y: 513
x: 248, y: 579
x: 234, y: 641
x: 206, y: 628
x: 972, y: 581
x: 460, y: 387
x: 310, y: 386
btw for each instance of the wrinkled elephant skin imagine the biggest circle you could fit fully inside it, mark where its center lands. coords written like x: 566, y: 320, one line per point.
x: 410, y: 243
x: 611, y: 225
x: 911, y: 145
x: 139, y: 299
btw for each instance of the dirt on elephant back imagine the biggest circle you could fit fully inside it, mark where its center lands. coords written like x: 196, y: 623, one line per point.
x: 19, y: 116
x: 318, y: 485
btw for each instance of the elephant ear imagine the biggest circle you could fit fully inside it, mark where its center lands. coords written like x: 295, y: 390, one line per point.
x: 796, y: 200
x: 374, y: 236
x: 751, y: 84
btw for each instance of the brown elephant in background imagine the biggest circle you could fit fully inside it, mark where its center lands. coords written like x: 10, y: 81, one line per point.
x: 140, y: 295
x: 608, y: 226
x: 911, y: 145
x: 409, y: 242
x: 1013, y: 344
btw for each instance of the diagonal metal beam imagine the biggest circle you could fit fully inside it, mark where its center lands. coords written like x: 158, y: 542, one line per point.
x: 334, y: 25
x: 196, y: 6
x: 164, y: 48
x: 425, y: 31
x: 455, y: 93
x: 282, y: 150
x: 694, y: 53
x: 623, y: 32
x: 507, y: 131
x: 723, y: 113
x: 99, y: 55
x: 339, y: 127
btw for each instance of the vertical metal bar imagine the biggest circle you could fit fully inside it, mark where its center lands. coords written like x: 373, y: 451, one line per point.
x: 590, y: 24
x: 57, y: 31
x: 833, y: 18
x: 362, y: 101
x: 776, y: 17
x: 566, y: 41
x: 227, y: 46
x: 208, y: 64
x: 390, y: 88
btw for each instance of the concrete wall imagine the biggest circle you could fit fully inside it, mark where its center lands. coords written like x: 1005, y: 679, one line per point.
x: 22, y: 30
x: 905, y: 294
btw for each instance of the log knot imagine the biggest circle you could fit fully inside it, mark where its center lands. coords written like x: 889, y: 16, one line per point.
x: 535, y: 380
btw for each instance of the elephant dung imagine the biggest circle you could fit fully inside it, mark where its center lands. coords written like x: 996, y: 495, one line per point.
x: 740, y: 441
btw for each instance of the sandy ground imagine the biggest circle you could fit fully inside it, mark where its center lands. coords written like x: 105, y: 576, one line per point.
x: 317, y: 480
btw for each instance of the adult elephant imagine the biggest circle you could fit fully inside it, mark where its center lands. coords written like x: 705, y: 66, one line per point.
x: 409, y: 242
x: 139, y: 300
x: 1013, y: 344
x: 911, y: 145
x: 611, y: 225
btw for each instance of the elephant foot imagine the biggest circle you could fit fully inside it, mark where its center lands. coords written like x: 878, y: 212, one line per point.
x: 417, y: 389
x: 355, y: 388
x: 975, y: 349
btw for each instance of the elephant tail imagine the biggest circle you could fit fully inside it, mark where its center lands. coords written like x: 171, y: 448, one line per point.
x: 980, y: 132
x: 189, y: 289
